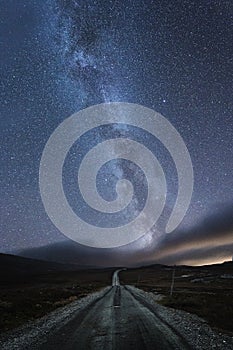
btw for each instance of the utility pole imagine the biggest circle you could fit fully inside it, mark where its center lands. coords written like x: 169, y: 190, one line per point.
x: 173, y: 280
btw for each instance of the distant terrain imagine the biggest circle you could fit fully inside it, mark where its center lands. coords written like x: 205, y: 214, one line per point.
x: 65, y: 252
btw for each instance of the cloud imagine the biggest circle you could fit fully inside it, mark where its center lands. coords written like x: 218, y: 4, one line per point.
x: 210, y: 240
x: 199, y: 256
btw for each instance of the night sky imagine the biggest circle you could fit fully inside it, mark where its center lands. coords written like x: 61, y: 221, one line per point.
x: 58, y: 57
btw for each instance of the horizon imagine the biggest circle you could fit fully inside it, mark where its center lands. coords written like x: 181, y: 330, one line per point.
x: 87, y: 267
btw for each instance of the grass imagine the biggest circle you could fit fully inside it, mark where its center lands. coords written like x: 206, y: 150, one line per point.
x: 42, y: 294
x: 216, y: 308
x: 205, y: 291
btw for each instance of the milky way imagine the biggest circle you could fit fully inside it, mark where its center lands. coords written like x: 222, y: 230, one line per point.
x: 61, y: 56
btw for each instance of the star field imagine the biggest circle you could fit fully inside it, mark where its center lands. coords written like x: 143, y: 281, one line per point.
x: 58, y: 57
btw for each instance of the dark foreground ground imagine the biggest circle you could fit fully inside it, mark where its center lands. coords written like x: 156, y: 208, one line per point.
x: 118, y: 317
x: 206, y: 291
x: 30, y: 289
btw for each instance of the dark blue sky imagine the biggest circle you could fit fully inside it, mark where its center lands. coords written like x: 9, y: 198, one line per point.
x: 175, y: 57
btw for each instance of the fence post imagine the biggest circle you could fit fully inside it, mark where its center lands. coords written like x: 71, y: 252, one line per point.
x: 173, y: 280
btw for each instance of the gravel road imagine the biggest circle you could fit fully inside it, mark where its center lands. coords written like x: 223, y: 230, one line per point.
x: 118, y: 317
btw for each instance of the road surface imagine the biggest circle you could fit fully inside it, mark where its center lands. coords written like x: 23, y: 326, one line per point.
x: 119, y: 318
x: 115, y: 278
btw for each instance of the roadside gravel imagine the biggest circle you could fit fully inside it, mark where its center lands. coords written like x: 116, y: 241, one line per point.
x: 35, y: 332
x: 194, y: 329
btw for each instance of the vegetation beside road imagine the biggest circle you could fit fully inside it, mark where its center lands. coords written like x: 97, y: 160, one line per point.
x: 215, y: 307
x: 26, y: 295
x: 206, y: 291
x: 32, y: 288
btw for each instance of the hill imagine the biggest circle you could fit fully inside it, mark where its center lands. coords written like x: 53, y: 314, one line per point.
x: 31, y: 288
x: 65, y: 252
x: 18, y: 269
